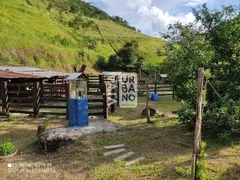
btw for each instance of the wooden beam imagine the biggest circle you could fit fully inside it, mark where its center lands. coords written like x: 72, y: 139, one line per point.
x: 36, y: 98
x: 198, y: 126
x: 147, y: 103
x: 4, y: 94
x: 105, y: 110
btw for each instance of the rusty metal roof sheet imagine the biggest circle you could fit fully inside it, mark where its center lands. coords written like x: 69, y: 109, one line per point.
x: 14, y: 75
x: 34, y: 71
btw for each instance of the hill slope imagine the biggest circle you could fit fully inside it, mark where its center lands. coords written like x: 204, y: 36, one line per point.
x: 33, y: 35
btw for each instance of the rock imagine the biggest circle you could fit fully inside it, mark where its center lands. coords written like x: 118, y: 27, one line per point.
x: 153, y: 112
x: 53, y: 139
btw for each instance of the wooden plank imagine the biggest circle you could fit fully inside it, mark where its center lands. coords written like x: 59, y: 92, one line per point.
x: 19, y: 92
x: 53, y: 107
x: 93, y: 76
x: 98, y: 106
x: 165, y: 94
x: 95, y: 114
x: 134, y: 161
x: 100, y: 86
x: 95, y: 100
x: 52, y: 99
x: 21, y: 105
x: 52, y: 85
x: 117, y: 151
x: 54, y: 113
x: 95, y: 93
x: 114, y: 146
x: 53, y: 92
x: 124, y: 156
x: 19, y: 85
x: 25, y: 99
x: 21, y: 111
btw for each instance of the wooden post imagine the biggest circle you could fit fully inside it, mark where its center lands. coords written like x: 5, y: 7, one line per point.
x: 147, y: 101
x: 198, y: 126
x: 67, y: 97
x: 113, y: 106
x: 155, y: 81
x: 139, y: 74
x: 4, y: 93
x: 100, y: 79
x: 118, y: 90
x: 105, y: 111
x: 173, y: 94
x: 36, y: 99
x: 88, y: 82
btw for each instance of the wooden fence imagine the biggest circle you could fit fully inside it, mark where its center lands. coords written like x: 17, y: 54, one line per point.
x: 49, y: 99
x: 159, y: 88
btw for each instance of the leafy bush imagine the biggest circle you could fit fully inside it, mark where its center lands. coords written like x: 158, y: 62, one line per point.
x: 92, y: 44
x: 221, y: 118
x: 101, y: 63
x: 7, y: 148
x: 212, y: 46
x: 187, y: 115
x: 201, y: 164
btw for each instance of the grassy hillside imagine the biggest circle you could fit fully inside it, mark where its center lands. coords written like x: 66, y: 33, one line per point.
x: 32, y: 35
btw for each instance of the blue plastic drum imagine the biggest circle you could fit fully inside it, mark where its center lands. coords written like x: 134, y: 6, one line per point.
x: 154, y: 97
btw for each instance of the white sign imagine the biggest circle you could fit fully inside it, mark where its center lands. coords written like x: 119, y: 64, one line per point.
x: 128, y: 90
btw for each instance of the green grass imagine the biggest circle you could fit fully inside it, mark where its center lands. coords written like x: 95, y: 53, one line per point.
x: 30, y: 35
x: 166, y: 145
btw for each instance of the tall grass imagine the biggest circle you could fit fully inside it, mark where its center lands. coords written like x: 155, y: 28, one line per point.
x: 31, y: 35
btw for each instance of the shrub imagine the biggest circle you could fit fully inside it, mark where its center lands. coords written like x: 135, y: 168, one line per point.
x: 7, y: 148
x: 201, y: 166
x: 101, y: 63
x: 221, y: 118
x: 92, y: 44
x: 187, y: 115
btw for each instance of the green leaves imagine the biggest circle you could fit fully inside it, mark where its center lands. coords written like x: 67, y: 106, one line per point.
x: 213, y: 43
x: 7, y: 148
x: 126, y: 57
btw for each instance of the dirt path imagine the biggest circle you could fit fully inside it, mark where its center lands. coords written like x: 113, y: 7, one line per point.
x: 168, y: 113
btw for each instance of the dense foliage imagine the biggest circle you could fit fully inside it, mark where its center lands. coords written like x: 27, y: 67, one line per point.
x: 7, y: 148
x: 211, y: 42
x: 201, y: 166
x: 86, y: 9
x: 126, y: 58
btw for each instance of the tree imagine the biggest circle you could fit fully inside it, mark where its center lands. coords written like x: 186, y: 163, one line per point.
x: 214, y: 45
x: 126, y: 57
x: 61, y: 5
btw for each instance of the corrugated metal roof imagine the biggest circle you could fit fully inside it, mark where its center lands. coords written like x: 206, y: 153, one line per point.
x: 74, y: 76
x: 110, y: 73
x: 34, y: 71
x: 14, y: 75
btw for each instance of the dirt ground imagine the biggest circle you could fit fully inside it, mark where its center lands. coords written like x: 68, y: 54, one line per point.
x: 166, y: 145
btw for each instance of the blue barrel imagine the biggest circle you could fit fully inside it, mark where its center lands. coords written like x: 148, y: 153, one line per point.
x: 82, y: 112
x: 72, y: 116
x: 154, y: 97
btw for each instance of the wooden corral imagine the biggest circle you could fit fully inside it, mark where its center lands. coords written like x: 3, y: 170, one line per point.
x: 32, y: 93
x: 37, y: 95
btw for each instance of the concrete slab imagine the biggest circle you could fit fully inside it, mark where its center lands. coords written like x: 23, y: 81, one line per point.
x: 113, y: 152
x: 124, y: 156
x: 53, y: 138
x: 134, y: 161
x: 114, y: 146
